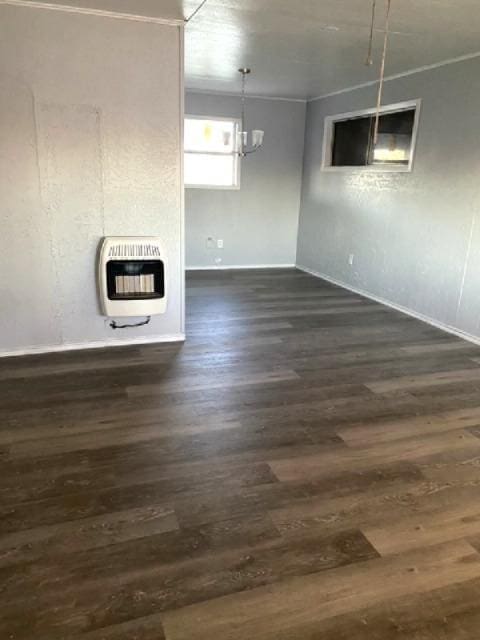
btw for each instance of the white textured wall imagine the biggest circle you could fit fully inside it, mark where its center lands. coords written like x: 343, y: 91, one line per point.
x: 415, y: 236
x: 90, y: 121
x: 259, y: 222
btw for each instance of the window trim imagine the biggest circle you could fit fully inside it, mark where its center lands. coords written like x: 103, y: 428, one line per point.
x: 235, y: 187
x: 328, y: 130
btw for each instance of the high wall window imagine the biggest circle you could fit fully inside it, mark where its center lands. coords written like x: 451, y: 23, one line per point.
x: 349, y: 139
x: 211, y: 160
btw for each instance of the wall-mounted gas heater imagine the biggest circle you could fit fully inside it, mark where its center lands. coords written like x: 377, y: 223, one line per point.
x: 132, y: 276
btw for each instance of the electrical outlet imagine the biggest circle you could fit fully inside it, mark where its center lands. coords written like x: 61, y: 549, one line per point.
x: 350, y: 259
x: 219, y: 244
x: 218, y: 261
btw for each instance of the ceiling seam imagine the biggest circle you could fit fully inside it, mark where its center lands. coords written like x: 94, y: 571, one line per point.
x: 396, y: 76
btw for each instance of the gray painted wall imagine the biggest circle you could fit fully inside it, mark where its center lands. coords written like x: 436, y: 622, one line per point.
x: 415, y: 236
x: 90, y: 115
x: 259, y: 222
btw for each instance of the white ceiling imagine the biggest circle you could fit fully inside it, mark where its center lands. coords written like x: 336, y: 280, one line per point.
x: 306, y: 48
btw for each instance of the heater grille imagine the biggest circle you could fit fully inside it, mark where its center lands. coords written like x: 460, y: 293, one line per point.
x: 134, y: 251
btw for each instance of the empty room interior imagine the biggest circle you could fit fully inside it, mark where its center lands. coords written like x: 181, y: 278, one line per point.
x: 240, y: 320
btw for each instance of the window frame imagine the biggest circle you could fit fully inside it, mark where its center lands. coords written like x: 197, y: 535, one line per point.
x: 328, y: 138
x: 237, y: 123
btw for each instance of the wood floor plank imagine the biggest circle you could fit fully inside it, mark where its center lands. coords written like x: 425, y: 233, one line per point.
x: 89, y: 533
x: 448, y: 613
x: 437, y: 347
x: 427, y: 380
x: 143, y: 629
x: 363, y: 435
x: 294, y: 313
x: 317, y: 465
x: 293, y: 607
x: 422, y: 530
x: 98, y: 438
x: 218, y: 382
x: 113, y: 484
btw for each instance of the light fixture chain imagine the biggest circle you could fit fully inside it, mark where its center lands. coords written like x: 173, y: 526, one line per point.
x: 243, y: 101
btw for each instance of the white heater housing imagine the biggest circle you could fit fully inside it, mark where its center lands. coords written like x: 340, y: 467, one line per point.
x: 132, y: 276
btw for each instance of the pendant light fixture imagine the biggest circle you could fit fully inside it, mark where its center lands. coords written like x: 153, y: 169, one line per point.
x: 257, y: 135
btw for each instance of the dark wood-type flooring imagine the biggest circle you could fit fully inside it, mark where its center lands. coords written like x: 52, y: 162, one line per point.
x: 306, y: 466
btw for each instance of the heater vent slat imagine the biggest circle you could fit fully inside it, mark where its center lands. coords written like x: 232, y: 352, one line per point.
x: 134, y: 251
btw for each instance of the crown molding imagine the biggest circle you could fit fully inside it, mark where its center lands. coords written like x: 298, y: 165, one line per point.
x: 37, y: 4
x: 396, y: 76
x: 222, y: 94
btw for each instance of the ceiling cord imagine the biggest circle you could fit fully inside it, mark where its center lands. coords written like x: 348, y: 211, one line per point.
x: 382, y: 73
x: 200, y: 6
x: 369, y: 59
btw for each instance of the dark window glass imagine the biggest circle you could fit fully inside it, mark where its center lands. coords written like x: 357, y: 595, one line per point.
x: 353, y: 140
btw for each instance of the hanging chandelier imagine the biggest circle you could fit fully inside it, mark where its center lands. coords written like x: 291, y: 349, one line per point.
x: 243, y: 136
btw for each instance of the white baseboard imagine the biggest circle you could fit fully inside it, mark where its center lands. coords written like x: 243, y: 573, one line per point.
x: 224, y: 267
x: 72, y: 346
x: 398, y: 307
